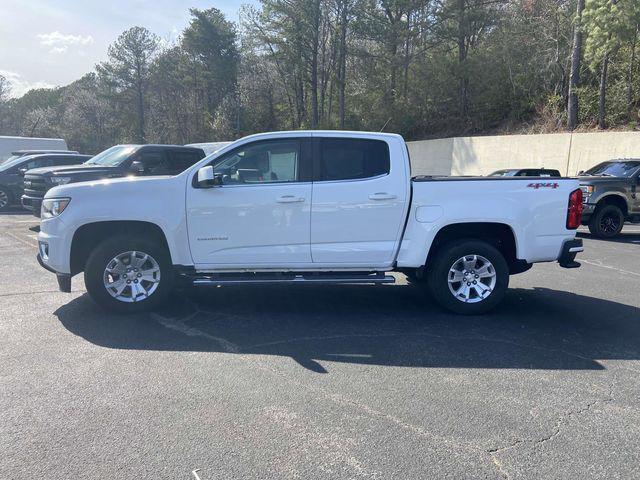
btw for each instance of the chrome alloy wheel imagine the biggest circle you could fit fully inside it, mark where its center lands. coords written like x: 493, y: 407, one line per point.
x: 4, y: 199
x: 472, y: 278
x: 131, y: 276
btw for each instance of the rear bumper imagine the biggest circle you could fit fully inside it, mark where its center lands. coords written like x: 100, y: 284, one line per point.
x: 64, y: 279
x: 32, y: 203
x: 569, y: 251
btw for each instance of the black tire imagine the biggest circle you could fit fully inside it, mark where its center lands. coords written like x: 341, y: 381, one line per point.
x: 607, y: 221
x: 447, y: 256
x: 5, y: 196
x: 416, y: 276
x: 107, y: 250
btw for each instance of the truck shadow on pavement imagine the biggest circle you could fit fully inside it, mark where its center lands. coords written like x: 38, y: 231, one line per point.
x: 623, y: 237
x: 374, y: 325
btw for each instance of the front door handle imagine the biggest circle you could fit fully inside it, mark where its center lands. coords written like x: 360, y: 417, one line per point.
x: 382, y: 196
x: 289, y: 199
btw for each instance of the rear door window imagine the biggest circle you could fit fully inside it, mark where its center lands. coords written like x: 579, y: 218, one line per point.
x: 74, y: 160
x: 180, y: 160
x: 351, y: 159
x: 38, y: 163
x: 154, y: 162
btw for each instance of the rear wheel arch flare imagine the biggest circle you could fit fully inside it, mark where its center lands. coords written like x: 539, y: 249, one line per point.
x: 500, y: 235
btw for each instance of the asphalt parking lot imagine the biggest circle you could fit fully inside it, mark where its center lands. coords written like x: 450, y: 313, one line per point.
x: 321, y: 381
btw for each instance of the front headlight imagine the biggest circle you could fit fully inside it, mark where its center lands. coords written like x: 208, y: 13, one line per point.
x: 52, y: 207
x: 587, y: 190
x: 60, y: 180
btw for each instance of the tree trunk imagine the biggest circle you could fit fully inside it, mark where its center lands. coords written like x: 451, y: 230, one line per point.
x: 140, y: 101
x: 632, y: 62
x: 574, y: 76
x: 392, y: 49
x: 407, y: 58
x: 314, y: 64
x: 342, y: 63
x: 462, y: 60
x: 602, y: 96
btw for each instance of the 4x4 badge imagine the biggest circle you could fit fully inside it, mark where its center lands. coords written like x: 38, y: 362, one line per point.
x: 543, y: 185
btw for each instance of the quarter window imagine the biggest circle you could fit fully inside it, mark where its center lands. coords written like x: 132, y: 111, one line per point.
x: 350, y: 159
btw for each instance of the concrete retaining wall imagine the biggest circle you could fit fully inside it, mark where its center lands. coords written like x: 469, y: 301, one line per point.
x: 567, y: 152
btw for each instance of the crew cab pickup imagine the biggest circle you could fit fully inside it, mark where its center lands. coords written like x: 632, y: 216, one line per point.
x: 114, y: 162
x: 611, y: 197
x: 307, y: 207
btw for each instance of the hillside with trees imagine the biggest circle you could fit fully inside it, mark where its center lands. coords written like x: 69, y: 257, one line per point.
x: 422, y: 68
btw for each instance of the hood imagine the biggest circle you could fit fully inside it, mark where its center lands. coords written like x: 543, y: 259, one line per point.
x: 82, y: 169
x: 595, y: 179
x: 117, y: 189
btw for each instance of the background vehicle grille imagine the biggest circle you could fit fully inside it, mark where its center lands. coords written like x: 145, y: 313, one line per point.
x: 35, y: 186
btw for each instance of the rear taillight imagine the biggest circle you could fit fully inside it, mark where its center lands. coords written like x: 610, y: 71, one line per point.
x: 574, y: 212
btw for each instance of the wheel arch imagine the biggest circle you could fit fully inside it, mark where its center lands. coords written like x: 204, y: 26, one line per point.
x: 614, y: 199
x: 91, y: 234
x: 500, y: 235
x: 10, y: 192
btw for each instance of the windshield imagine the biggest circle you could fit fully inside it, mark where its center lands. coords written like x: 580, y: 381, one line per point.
x: 502, y: 173
x: 13, y: 161
x: 615, y: 169
x: 113, y: 156
x: 10, y: 159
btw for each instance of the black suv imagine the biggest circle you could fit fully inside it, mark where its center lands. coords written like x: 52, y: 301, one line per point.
x: 610, y: 192
x: 12, y: 173
x: 115, y: 162
x: 23, y: 153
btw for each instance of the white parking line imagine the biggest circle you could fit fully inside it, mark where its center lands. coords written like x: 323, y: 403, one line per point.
x: 21, y: 240
x: 597, y: 263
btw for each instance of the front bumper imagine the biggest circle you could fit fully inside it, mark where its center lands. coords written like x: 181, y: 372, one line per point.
x: 587, y: 211
x: 32, y: 203
x: 54, y: 245
x: 64, y: 279
x: 569, y: 251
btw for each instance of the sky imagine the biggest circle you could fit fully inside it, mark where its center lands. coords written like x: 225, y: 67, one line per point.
x: 46, y: 43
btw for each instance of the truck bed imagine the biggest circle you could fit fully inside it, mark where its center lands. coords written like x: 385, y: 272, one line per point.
x: 444, y: 178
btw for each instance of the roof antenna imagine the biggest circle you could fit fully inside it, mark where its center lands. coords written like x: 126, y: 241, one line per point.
x: 385, y: 124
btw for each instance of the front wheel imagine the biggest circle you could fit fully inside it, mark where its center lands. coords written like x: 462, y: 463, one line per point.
x: 5, y: 199
x: 468, y: 277
x: 607, y: 221
x: 128, y: 274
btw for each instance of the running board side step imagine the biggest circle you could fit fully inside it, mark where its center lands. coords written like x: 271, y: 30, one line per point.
x: 306, y: 277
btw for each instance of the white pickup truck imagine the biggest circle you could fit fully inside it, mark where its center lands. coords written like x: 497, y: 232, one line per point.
x: 307, y: 207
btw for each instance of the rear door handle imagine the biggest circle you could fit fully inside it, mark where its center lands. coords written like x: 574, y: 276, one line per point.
x: 382, y: 196
x: 290, y: 199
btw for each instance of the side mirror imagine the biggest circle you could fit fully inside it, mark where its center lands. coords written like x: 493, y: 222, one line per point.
x: 207, y: 179
x: 22, y: 171
x: 580, y: 173
x: 137, y: 167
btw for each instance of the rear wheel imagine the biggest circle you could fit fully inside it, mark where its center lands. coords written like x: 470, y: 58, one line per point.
x: 469, y: 277
x: 5, y: 199
x: 607, y: 221
x: 128, y: 274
